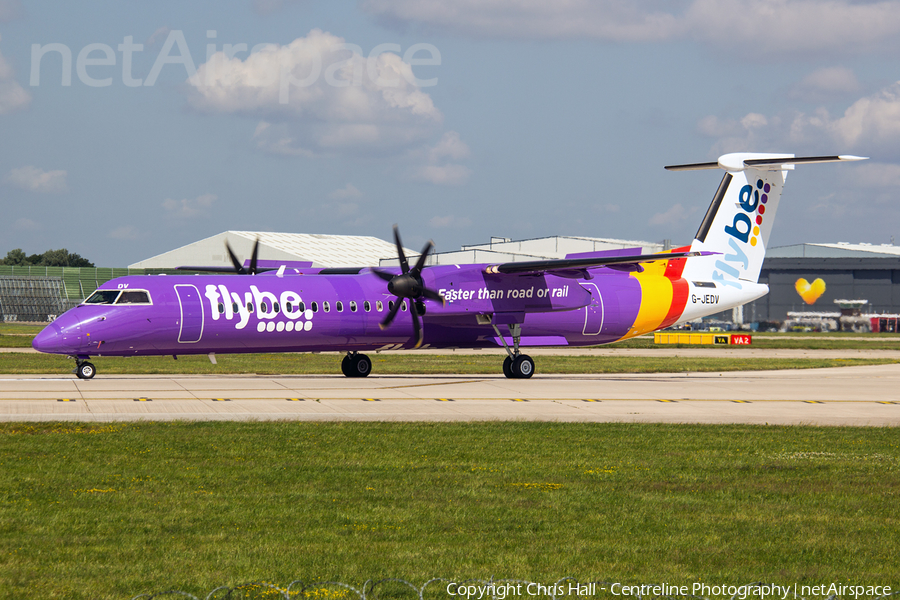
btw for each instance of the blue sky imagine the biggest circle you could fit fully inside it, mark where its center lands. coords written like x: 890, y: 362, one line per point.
x: 528, y: 119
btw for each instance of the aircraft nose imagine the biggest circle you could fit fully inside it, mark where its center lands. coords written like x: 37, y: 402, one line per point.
x: 49, y: 339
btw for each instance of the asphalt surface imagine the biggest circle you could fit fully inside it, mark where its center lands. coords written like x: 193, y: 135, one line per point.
x: 859, y: 396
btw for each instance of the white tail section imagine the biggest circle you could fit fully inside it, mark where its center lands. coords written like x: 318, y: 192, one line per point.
x: 739, y: 220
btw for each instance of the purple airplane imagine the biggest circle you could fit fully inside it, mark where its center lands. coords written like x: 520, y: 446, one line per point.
x: 584, y: 299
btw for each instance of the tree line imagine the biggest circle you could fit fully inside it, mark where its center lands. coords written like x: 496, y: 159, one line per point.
x: 50, y: 258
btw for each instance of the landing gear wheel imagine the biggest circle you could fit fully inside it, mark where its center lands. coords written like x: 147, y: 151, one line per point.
x: 85, y: 370
x: 507, y: 367
x: 356, y: 365
x: 522, y: 367
x: 361, y: 366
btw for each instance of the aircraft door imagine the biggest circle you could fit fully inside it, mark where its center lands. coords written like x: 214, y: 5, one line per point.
x: 191, y: 314
x: 593, y: 312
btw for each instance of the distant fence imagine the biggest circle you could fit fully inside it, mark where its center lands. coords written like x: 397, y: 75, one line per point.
x: 31, y: 293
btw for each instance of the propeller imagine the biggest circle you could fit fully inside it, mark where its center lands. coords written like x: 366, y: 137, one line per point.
x: 408, y: 286
x: 238, y: 265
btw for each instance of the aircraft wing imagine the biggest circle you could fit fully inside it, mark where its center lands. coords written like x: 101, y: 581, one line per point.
x: 577, y: 264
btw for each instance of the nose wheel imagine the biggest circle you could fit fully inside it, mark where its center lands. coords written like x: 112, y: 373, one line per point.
x: 85, y: 370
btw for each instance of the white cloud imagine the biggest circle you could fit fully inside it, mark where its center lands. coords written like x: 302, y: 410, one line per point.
x: 12, y: 95
x: 438, y: 168
x: 674, y: 216
x: 826, y: 83
x: 33, y: 179
x: 318, y: 95
x: 442, y: 174
x: 189, y: 208
x: 761, y: 28
x: 345, y: 193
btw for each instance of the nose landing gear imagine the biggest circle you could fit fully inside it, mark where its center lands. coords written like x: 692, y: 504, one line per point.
x: 84, y: 369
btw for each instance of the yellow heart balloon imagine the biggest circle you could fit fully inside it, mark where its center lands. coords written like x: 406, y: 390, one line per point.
x: 810, y: 292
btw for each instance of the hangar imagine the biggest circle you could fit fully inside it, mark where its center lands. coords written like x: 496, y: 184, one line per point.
x: 295, y: 249
x: 811, y: 277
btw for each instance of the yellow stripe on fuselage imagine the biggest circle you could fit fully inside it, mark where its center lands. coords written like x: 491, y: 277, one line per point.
x: 656, y: 298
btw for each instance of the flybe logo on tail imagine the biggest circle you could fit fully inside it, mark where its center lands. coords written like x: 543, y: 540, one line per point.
x: 751, y: 201
x: 744, y: 229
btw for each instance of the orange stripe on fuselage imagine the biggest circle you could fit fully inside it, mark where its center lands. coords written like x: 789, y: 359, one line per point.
x: 663, y: 295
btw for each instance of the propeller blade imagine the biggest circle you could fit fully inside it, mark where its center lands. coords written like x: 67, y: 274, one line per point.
x: 432, y: 295
x: 253, y: 257
x: 390, y: 316
x: 417, y: 327
x: 404, y: 264
x: 422, y: 258
x: 238, y: 267
x: 383, y: 274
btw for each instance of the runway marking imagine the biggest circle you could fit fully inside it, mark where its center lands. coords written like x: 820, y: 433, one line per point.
x: 673, y: 401
x: 143, y: 400
x: 518, y: 400
x: 400, y: 387
x: 742, y: 401
x: 445, y: 399
x: 813, y: 402
x: 221, y: 399
x: 371, y: 399
x: 296, y: 399
x: 590, y: 400
x: 886, y: 402
x: 66, y: 400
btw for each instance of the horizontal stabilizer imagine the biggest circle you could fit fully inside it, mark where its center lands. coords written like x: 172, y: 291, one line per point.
x: 569, y: 264
x: 740, y: 161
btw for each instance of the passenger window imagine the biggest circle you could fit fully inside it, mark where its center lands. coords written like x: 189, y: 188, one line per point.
x: 234, y: 307
x: 134, y: 297
x: 221, y: 308
x: 302, y: 307
x: 264, y: 307
x: 249, y: 307
x: 353, y: 306
x: 367, y: 306
x: 390, y: 305
x: 403, y: 306
x: 315, y: 307
x: 289, y: 307
x: 339, y: 306
x: 326, y: 307
x: 275, y: 307
x: 379, y: 306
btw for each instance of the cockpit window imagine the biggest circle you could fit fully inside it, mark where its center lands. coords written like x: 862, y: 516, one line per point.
x: 102, y: 297
x: 134, y: 297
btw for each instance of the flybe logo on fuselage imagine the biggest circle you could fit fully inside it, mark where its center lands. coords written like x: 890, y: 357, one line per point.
x: 265, y: 305
x: 743, y: 231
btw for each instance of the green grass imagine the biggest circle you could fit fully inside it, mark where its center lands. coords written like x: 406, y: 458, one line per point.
x: 402, y: 364
x: 109, y: 511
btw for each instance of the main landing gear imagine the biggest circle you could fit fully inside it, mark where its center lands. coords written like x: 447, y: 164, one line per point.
x: 84, y: 369
x: 356, y: 365
x: 515, y: 366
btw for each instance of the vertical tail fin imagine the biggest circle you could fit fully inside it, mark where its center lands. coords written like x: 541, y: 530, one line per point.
x: 739, y: 220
